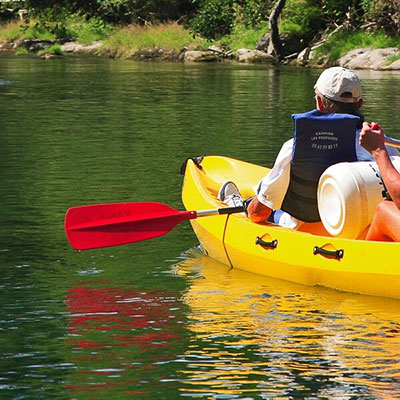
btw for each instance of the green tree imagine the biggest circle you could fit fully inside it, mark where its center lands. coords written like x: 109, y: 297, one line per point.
x: 116, y: 11
x: 383, y: 13
x: 215, y: 18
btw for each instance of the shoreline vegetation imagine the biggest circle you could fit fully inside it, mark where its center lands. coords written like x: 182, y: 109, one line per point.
x: 278, y: 37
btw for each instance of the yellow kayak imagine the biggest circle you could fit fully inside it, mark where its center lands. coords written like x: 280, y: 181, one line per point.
x: 308, y: 256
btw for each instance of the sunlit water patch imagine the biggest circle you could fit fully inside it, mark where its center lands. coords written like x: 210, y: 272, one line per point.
x: 256, y: 336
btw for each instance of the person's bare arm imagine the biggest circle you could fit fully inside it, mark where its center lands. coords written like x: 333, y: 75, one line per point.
x: 372, y: 139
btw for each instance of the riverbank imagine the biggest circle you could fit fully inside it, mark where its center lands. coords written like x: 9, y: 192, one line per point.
x: 173, y: 43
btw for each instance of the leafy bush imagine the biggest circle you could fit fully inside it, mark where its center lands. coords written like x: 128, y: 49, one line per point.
x: 303, y: 18
x: 291, y: 28
x: 385, y: 13
x: 21, y: 51
x: 115, y: 11
x: 253, y: 13
x: 37, y: 31
x: 335, y: 12
x: 55, y: 50
x: 88, y: 30
x: 215, y: 18
x: 242, y: 37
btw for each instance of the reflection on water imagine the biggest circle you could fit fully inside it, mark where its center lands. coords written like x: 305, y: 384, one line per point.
x: 256, y: 335
x: 120, y: 339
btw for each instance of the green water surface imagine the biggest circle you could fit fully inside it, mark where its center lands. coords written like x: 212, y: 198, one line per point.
x: 157, y: 319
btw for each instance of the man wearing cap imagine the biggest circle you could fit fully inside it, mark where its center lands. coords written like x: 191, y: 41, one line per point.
x: 325, y: 136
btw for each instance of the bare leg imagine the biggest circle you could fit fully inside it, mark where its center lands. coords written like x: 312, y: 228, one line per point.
x: 385, y: 225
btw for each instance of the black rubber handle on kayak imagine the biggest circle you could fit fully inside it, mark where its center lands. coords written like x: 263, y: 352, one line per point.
x: 337, y: 254
x: 230, y: 210
x: 267, y: 245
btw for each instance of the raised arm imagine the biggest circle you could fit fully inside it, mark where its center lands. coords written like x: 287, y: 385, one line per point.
x: 372, y: 139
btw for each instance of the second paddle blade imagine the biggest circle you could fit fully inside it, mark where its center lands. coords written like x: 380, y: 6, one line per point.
x: 105, y: 225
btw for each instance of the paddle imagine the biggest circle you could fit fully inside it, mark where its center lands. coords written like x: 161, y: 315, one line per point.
x: 388, y: 140
x: 392, y: 142
x: 105, y: 225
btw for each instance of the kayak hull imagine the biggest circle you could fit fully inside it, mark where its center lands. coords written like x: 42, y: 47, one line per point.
x: 310, y: 257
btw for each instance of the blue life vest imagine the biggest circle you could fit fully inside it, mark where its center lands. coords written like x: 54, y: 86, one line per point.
x: 320, y: 140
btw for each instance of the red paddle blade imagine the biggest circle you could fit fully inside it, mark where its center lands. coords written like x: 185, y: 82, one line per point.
x: 104, y: 225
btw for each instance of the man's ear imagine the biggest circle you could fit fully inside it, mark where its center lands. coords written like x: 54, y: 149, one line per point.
x: 360, y: 104
x: 320, y: 104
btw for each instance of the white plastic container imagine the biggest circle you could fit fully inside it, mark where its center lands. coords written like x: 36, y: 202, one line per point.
x: 348, y: 194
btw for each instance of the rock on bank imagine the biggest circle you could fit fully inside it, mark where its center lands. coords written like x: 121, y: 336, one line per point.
x: 366, y: 58
x: 376, y: 59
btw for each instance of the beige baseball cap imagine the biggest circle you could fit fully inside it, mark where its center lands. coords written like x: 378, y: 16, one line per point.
x: 339, y: 84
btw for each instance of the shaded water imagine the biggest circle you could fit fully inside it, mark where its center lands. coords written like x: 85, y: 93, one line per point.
x: 156, y: 319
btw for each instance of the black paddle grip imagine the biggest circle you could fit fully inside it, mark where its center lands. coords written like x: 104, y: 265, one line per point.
x: 230, y: 210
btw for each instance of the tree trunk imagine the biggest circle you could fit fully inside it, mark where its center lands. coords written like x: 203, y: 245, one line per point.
x: 274, y: 31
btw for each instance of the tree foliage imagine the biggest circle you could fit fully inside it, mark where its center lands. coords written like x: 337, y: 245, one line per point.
x: 116, y: 11
x: 302, y: 17
x: 214, y: 18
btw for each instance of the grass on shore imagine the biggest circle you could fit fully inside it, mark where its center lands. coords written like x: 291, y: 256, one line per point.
x: 172, y: 36
x: 121, y: 42
x: 77, y: 28
x: 16, y: 31
x: 393, y: 59
x: 343, y: 42
x: 125, y: 41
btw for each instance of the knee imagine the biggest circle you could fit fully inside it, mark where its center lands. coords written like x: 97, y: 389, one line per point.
x: 381, y: 208
x: 386, y: 213
x: 386, y: 209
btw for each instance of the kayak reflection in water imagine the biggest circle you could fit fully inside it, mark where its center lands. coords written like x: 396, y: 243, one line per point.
x: 386, y: 222
x: 328, y: 135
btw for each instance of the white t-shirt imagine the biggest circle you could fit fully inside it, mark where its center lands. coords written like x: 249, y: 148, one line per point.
x: 273, y: 187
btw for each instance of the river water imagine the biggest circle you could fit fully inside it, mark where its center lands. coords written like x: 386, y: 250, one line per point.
x: 158, y: 319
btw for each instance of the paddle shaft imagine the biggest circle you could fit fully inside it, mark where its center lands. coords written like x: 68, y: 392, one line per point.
x: 219, y: 211
x: 392, y: 142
